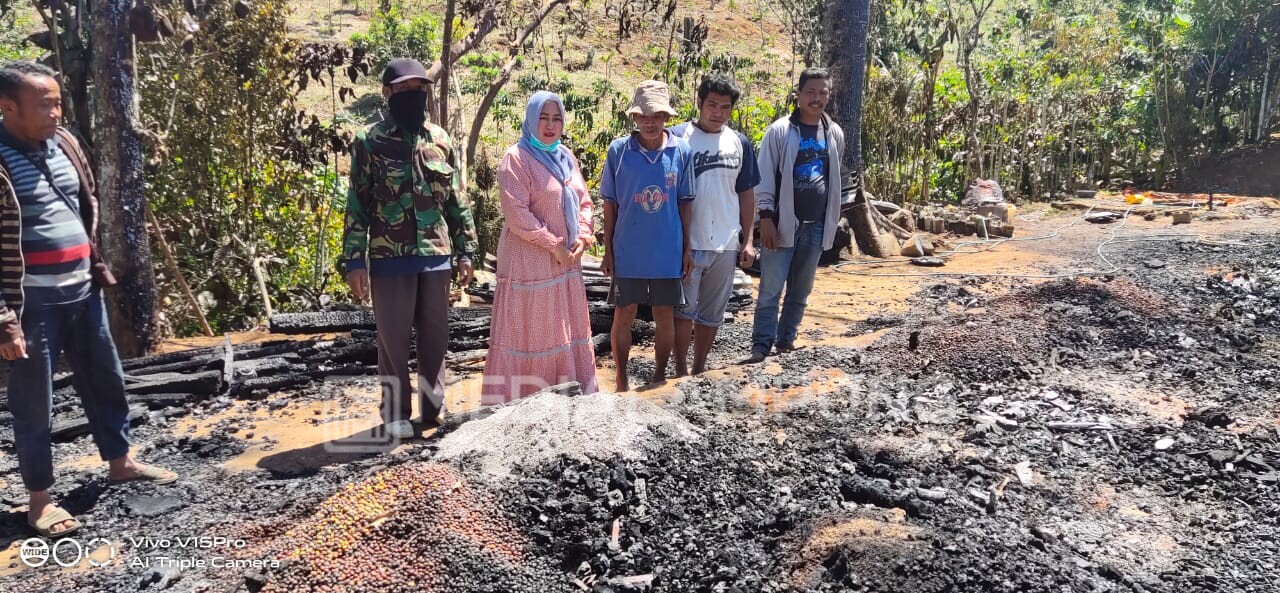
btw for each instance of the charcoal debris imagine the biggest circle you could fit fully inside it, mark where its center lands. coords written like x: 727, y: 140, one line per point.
x: 1009, y: 447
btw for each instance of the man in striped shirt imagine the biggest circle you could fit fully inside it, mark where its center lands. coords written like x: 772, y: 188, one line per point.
x: 50, y: 292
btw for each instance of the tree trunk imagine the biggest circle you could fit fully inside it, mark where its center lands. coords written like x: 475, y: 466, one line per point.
x: 446, y: 60
x: 118, y: 145
x: 482, y: 112
x: 1262, y: 104
x: 488, y: 22
x: 930, y: 129
x: 848, y: 58
x: 848, y: 22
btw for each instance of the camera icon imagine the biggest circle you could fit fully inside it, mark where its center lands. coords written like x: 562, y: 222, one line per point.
x: 35, y: 552
x: 66, y: 552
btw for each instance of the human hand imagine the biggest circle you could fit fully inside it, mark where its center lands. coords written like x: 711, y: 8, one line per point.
x: 562, y: 254
x: 358, y: 282
x: 747, y: 255
x: 606, y: 264
x: 579, y: 248
x: 768, y: 234
x: 16, y: 349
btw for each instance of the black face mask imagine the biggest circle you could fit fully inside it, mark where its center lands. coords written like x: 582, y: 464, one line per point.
x: 409, y: 108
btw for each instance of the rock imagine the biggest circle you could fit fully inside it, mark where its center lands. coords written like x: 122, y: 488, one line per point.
x: 1182, y: 217
x: 1164, y: 444
x: 918, y: 246
x: 1003, y: 212
x: 1155, y: 264
x: 168, y: 576
x: 1103, y: 217
x: 1211, y: 417
x: 1024, y: 473
x: 887, y: 244
x: 932, y: 494
x: 254, y: 580
x: 153, y: 506
x: 1044, y: 534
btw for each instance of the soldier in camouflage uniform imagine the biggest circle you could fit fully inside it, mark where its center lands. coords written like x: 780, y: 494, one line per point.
x: 407, y: 216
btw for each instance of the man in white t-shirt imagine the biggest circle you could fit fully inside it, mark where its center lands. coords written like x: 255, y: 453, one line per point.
x: 725, y: 175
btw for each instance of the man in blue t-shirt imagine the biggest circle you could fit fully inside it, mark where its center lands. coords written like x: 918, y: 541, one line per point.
x: 647, y: 185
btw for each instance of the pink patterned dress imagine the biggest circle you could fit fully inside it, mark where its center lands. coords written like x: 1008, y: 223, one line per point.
x: 541, y: 330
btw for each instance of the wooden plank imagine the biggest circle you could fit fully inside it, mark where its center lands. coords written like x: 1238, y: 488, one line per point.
x: 203, y: 383
x: 321, y: 322
x: 66, y: 429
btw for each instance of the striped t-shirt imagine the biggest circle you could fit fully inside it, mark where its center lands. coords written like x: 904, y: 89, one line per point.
x: 55, y: 246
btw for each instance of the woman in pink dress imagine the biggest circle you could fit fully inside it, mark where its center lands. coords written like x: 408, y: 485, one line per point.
x: 541, y: 330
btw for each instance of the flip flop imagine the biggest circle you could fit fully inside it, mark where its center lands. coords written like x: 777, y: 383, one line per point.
x: 150, y: 473
x: 44, y: 525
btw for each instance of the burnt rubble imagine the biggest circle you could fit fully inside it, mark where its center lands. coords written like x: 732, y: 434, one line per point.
x: 1104, y: 434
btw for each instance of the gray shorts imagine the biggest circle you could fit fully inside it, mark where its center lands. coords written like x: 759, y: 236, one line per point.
x: 661, y: 292
x: 709, y: 286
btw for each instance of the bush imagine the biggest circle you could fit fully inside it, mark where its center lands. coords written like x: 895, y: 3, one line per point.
x: 393, y: 35
x: 14, y: 28
x: 222, y: 187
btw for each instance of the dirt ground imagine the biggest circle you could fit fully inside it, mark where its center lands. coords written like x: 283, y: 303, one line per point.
x: 1021, y: 429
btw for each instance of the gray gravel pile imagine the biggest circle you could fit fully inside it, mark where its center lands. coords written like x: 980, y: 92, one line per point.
x: 540, y: 428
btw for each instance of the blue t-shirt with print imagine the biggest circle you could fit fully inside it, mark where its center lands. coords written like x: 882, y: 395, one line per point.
x: 647, y: 187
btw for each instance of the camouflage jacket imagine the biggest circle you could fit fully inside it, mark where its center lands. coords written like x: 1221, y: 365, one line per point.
x: 405, y: 198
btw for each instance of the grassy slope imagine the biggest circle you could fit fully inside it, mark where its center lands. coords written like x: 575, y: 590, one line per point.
x: 747, y: 29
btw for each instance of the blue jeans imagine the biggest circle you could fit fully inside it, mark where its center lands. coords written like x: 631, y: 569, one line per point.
x: 793, y: 268
x: 80, y: 331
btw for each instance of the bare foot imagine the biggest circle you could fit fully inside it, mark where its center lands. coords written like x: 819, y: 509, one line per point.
x: 622, y: 383
x: 681, y: 371
x: 698, y: 370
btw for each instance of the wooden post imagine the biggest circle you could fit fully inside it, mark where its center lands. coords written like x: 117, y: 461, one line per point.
x: 261, y: 277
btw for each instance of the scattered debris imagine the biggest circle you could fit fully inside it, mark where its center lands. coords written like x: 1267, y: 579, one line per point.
x: 928, y: 262
x: 1103, y: 217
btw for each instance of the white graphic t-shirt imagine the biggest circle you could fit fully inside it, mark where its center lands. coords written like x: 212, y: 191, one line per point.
x: 724, y: 164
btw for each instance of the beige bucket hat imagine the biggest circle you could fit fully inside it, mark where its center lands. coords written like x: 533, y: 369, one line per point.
x: 651, y: 97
